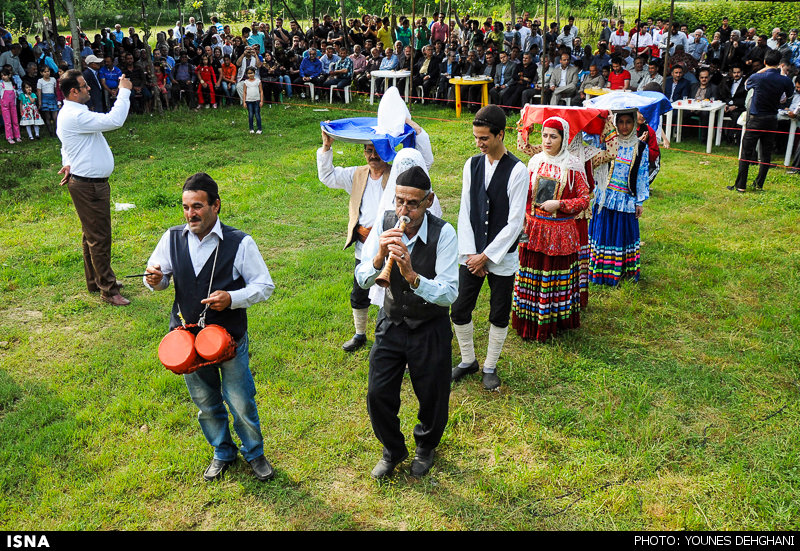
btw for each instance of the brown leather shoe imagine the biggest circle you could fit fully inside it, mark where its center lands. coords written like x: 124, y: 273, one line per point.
x: 115, y: 300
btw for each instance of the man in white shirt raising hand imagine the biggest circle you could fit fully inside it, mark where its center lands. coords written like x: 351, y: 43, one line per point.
x: 87, y: 163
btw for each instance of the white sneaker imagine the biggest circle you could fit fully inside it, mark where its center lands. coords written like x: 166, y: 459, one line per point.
x: 215, y: 106
x: 252, y: 131
x: 208, y: 106
x: 258, y: 131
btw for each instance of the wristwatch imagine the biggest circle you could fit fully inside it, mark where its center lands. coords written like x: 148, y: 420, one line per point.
x: 415, y: 284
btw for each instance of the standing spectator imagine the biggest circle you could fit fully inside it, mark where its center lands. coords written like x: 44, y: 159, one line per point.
x: 724, y: 31
x: 772, y: 42
x: 605, y: 31
x: 30, y: 112
x: 619, y: 39
x: 8, y: 105
x: 87, y: 164
x: 697, y: 45
x: 403, y: 34
x: 11, y: 57
x: 768, y: 86
x: 440, y: 30
x: 48, y: 104
x: 93, y: 64
x: 253, y: 99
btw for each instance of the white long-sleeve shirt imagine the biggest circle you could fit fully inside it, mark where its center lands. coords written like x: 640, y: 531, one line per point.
x: 501, y: 262
x: 336, y: 177
x: 247, y: 264
x: 83, y: 147
x: 443, y: 288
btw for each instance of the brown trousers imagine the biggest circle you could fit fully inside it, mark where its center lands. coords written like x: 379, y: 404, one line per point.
x: 92, y: 200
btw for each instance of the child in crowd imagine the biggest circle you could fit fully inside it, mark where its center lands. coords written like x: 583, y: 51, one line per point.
x: 161, y: 82
x: 253, y: 98
x: 206, y: 84
x: 30, y: 113
x: 8, y: 105
x: 48, y: 102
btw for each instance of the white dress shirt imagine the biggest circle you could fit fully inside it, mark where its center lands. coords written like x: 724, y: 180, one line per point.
x: 443, y: 288
x: 336, y: 177
x: 501, y: 262
x: 83, y: 147
x: 248, y: 264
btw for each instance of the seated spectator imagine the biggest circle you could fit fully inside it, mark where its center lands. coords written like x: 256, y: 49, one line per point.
x: 733, y: 93
x: 677, y: 87
x: 618, y: 78
x: 448, y: 69
x: 426, y: 72
x: 653, y: 75
x: 310, y: 71
x: 341, y: 74
x: 183, y: 81
x: 109, y: 76
x: 637, y: 73
x: 593, y: 80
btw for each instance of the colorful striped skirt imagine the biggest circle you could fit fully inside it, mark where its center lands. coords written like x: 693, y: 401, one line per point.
x: 614, y: 242
x: 583, y: 259
x: 546, y: 295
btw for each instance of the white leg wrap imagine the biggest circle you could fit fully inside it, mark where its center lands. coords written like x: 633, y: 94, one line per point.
x: 497, y: 336
x: 464, y: 337
x: 360, y: 317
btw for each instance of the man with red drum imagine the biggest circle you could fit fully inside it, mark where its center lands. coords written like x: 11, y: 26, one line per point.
x: 218, y: 273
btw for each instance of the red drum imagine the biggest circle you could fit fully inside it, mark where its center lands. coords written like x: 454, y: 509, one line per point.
x: 176, y: 351
x: 215, y: 344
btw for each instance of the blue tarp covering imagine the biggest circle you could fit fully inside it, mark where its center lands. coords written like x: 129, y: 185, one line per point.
x: 360, y: 129
x: 651, y: 104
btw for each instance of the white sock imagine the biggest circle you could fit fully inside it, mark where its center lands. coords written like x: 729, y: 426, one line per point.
x: 497, y: 336
x: 36, y: 129
x: 30, y: 134
x: 464, y: 337
x: 360, y: 317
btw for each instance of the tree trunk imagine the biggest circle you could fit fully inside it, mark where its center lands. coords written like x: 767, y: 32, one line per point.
x: 344, y: 25
x: 52, y: 6
x: 153, y: 81
x: 76, y: 41
x: 513, y: 14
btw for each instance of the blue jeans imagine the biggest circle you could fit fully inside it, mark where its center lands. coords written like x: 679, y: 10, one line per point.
x: 238, y: 391
x: 253, y: 110
x: 284, y: 80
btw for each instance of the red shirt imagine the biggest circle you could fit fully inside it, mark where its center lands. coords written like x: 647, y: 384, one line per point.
x: 617, y: 81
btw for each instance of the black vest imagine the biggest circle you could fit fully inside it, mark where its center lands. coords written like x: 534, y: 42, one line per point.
x: 401, y: 304
x: 191, y: 289
x: 489, y: 206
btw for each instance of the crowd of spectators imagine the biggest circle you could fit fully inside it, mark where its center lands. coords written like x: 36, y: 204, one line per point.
x: 524, y: 62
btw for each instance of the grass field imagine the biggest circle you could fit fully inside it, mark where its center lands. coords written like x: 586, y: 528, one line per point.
x: 674, y: 406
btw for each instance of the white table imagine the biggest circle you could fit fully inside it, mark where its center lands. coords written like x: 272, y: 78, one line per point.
x: 782, y: 116
x: 715, y: 110
x: 394, y: 75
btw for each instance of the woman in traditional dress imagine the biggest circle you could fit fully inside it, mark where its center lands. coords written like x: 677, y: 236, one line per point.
x: 547, y: 287
x: 600, y: 149
x: 614, y: 230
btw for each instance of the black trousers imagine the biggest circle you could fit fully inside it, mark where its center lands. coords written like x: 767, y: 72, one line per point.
x: 749, y: 141
x: 469, y: 287
x: 359, y: 298
x: 427, y: 351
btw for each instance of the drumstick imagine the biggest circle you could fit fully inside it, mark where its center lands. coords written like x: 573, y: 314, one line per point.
x: 139, y: 275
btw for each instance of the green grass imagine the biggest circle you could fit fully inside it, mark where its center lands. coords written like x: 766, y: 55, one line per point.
x: 674, y: 406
